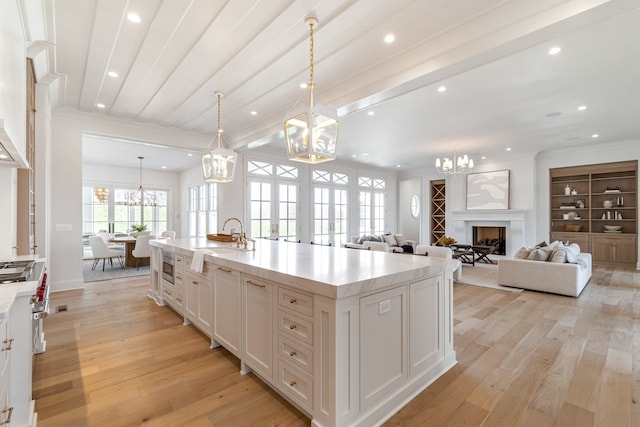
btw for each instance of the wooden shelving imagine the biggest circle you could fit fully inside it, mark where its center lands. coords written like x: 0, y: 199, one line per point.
x: 598, y: 195
x: 437, y: 223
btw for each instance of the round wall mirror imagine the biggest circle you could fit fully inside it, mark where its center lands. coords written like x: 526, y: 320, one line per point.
x: 415, y: 206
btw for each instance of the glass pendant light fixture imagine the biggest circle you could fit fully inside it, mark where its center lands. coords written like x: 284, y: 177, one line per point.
x: 455, y: 165
x: 311, y: 132
x: 218, y: 164
x: 101, y: 193
x: 140, y: 197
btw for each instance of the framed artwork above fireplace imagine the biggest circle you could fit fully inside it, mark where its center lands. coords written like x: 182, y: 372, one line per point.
x: 488, y: 190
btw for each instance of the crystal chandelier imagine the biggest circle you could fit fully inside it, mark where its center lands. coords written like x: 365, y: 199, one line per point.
x: 218, y: 164
x: 311, y: 131
x: 101, y: 193
x: 462, y: 164
x: 140, y: 197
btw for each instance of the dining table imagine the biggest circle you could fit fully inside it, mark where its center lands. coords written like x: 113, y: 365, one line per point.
x: 129, y: 245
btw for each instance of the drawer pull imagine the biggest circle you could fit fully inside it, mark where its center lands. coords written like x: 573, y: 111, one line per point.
x: 292, y: 327
x: 260, y: 285
x: 179, y: 299
x: 179, y: 277
x: 8, y: 420
x: 292, y: 383
x: 167, y: 292
x: 292, y: 354
x: 293, y: 301
x: 226, y: 270
x: 195, y: 282
x: 9, y: 342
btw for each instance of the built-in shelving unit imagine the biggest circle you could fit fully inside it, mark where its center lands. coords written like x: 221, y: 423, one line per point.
x: 585, y: 199
x: 437, y: 209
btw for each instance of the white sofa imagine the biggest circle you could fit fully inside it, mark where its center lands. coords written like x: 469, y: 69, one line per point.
x: 391, y: 240
x: 558, y: 278
x: 440, y: 252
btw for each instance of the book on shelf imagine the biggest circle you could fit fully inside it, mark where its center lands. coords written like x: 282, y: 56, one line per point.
x: 567, y: 206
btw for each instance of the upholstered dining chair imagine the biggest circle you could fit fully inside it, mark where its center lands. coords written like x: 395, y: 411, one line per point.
x: 142, y: 249
x: 169, y: 234
x: 102, y: 252
x: 440, y: 252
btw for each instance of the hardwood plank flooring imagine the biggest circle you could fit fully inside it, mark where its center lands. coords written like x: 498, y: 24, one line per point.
x: 114, y: 358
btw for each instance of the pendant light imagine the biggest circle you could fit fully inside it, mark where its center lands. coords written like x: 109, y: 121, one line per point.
x: 140, y: 197
x: 218, y: 164
x: 456, y: 165
x: 311, y: 132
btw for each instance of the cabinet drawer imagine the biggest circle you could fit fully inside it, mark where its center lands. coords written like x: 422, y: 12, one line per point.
x: 295, y: 326
x: 296, y: 384
x: 294, y: 352
x: 296, y: 301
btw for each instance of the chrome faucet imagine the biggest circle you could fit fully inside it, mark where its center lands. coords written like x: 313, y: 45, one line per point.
x: 242, y: 238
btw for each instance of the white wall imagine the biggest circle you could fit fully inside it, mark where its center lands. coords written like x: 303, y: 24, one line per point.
x: 407, y: 224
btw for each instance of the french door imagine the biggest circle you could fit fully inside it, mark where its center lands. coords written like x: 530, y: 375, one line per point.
x: 273, y: 209
x: 330, y: 207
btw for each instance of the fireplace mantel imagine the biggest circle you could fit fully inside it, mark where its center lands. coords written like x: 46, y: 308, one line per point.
x: 513, y: 220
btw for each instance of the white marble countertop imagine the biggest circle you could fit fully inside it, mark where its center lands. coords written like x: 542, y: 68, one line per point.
x: 9, y: 291
x: 329, y: 271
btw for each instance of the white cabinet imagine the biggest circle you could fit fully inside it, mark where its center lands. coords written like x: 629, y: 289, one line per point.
x: 173, y: 293
x: 257, y: 345
x: 199, y: 297
x: 426, y: 345
x: 227, y: 311
x: 5, y: 355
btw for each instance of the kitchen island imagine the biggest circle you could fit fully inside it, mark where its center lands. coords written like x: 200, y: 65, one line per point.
x: 349, y: 337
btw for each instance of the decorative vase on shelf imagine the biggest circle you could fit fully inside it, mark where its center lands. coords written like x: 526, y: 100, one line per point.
x: 567, y: 190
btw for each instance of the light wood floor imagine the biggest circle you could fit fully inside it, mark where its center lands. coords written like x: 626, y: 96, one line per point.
x: 114, y: 358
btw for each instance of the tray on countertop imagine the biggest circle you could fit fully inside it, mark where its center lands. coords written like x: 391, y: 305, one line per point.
x: 222, y: 237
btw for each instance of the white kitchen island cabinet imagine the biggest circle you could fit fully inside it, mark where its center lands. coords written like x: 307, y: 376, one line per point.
x: 349, y: 337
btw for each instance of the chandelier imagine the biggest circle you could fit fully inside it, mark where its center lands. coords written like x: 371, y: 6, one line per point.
x: 140, y: 197
x: 311, y: 131
x: 101, y: 193
x: 218, y: 164
x: 455, y: 165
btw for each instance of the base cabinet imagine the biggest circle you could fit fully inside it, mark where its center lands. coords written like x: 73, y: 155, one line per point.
x: 257, y: 345
x: 227, y: 311
x: 199, y: 298
x: 615, y: 250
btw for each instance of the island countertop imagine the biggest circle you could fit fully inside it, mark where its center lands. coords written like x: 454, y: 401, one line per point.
x: 330, y: 271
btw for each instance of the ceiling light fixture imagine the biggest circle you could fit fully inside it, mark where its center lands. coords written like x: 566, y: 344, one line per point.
x: 389, y: 38
x: 311, y: 132
x: 101, y: 193
x: 554, y: 50
x: 442, y: 89
x: 134, y: 17
x: 100, y: 105
x: 218, y: 164
x: 112, y: 74
x: 140, y: 197
x: 582, y: 108
x: 595, y: 135
x: 462, y: 164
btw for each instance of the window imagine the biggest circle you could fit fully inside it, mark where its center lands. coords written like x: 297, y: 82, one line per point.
x: 273, y: 200
x: 330, y: 207
x: 114, y: 216
x: 203, y: 210
x: 371, y: 197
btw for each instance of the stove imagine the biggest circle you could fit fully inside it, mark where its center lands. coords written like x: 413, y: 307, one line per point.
x: 16, y: 271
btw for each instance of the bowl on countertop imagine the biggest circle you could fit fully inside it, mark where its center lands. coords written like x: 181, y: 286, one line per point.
x: 613, y: 227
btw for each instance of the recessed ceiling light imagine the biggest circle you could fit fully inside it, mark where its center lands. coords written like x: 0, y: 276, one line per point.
x: 389, y: 38
x: 3, y: 156
x: 508, y: 148
x: 397, y: 166
x: 371, y: 113
x: 189, y: 154
x: 112, y: 74
x: 484, y: 157
x: 164, y: 167
x: 304, y: 85
x: 582, y: 108
x: 554, y: 50
x: 442, y: 89
x: 595, y: 135
x: 100, y: 105
x: 354, y: 155
x: 134, y: 17
x: 253, y: 113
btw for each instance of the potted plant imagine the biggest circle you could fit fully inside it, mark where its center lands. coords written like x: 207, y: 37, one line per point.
x: 446, y: 241
x: 138, y: 230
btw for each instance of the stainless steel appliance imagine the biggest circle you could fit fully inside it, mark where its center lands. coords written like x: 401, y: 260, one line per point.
x: 28, y: 270
x: 168, y: 266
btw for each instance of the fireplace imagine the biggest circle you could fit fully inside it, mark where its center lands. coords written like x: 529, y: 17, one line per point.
x: 511, y: 219
x: 490, y: 236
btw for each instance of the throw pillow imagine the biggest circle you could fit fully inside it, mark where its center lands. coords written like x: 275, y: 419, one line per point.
x: 391, y: 241
x: 354, y: 239
x: 539, y: 254
x: 363, y: 238
x: 573, y: 250
x: 400, y: 239
x: 559, y: 256
x: 522, y: 253
x: 541, y: 244
x: 554, y: 245
x: 408, y: 249
x: 376, y: 238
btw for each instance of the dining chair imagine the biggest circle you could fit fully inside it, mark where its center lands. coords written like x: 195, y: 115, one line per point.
x: 169, y: 234
x: 142, y: 248
x: 102, y: 252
